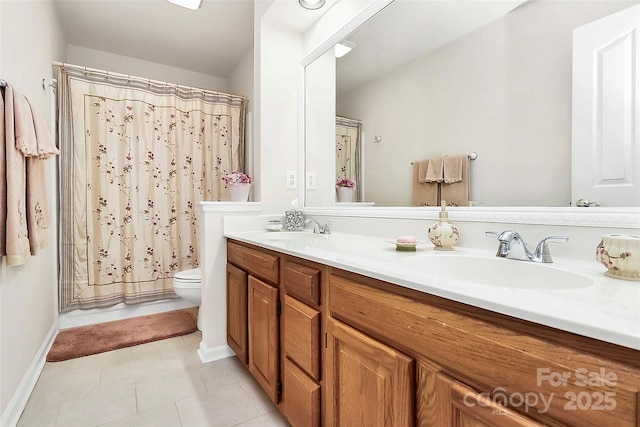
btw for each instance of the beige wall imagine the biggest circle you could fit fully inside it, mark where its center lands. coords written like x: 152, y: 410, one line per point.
x: 78, y: 55
x: 503, y: 91
x: 30, y: 39
x: 280, y: 51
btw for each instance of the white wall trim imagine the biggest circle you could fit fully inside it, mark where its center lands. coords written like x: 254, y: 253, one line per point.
x: 211, y: 354
x: 18, y: 402
x: 584, y: 217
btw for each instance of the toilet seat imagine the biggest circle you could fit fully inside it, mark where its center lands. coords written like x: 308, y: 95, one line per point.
x: 188, y: 278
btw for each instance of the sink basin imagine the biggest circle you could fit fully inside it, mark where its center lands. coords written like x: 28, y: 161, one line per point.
x: 500, y: 272
x: 278, y: 236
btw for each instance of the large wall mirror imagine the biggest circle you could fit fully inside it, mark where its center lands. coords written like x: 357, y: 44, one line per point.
x: 430, y: 78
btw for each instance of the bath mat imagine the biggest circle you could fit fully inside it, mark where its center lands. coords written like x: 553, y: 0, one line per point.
x: 93, y: 339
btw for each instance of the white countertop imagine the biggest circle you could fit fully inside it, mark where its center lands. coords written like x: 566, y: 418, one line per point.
x: 607, y: 309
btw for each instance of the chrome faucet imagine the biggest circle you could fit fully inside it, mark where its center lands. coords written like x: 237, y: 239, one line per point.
x: 317, y: 227
x: 540, y: 254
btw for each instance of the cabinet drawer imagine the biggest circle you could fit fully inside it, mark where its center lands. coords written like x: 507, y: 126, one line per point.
x: 302, y: 335
x: 303, y: 282
x: 301, y: 397
x: 255, y: 261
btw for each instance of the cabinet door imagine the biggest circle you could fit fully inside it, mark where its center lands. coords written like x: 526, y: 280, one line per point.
x: 263, y: 336
x: 237, y: 312
x: 368, y: 383
x: 461, y: 406
x: 301, y: 397
x: 302, y: 335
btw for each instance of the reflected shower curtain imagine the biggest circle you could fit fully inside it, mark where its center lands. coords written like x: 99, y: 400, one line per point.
x: 136, y: 159
x: 348, y: 151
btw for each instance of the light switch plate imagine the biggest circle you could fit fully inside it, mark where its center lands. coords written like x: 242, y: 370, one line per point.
x: 311, y: 181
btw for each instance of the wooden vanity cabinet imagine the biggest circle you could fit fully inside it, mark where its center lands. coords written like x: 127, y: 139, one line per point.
x: 302, y: 329
x: 264, y: 335
x: 479, y: 368
x: 274, y: 326
x: 237, y: 326
x: 352, y: 350
x: 253, y: 312
x: 368, y: 383
x: 460, y: 406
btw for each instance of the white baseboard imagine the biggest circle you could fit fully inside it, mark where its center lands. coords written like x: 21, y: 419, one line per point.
x: 211, y: 354
x: 18, y: 402
x: 120, y: 311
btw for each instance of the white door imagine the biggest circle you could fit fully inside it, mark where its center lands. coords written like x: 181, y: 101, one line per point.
x: 606, y: 110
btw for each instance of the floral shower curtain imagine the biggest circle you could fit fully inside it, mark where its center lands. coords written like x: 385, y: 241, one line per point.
x: 348, y: 151
x: 136, y: 158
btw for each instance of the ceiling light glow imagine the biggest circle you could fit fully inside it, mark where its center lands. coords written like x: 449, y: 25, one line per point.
x: 189, y: 4
x: 344, y: 47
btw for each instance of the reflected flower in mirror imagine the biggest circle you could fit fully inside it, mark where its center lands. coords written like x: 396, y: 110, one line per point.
x: 344, y: 182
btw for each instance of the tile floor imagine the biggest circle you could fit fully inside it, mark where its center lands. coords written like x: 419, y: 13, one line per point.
x: 162, y: 383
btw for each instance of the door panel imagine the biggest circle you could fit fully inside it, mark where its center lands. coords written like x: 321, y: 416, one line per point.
x: 606, y: 107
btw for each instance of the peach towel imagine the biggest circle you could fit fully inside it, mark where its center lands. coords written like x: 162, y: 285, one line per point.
x: 435, y: 169
x: 45, y: 143
x: 457, y: 192
x: 452, y: 169
x: 15, y: 242
x: 24, y: 217
x: 424, y: 193
x: 423, y: 166
x: 32, y: 134
x: 24, y: 131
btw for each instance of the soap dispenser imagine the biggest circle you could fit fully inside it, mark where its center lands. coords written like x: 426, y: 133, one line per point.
x: 443, y: 234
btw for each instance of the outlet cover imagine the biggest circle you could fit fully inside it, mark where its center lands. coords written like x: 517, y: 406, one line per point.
x: 292, y: 179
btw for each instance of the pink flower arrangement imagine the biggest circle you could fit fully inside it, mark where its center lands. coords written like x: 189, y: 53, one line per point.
x: 236, y: 177
x: 344, y: 182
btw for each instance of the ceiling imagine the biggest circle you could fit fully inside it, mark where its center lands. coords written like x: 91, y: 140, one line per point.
x: 408, y: 29
x: 210, y: 40
x: 215, y: 38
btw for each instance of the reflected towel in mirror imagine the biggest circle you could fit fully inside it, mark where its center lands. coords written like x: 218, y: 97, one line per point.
x: 456, y: 193
x: 434, y: 169
x: 424, y: 193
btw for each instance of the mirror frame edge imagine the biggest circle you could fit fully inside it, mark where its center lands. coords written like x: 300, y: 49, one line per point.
x: 628, y: 218
x: 366, y: 13
x: 569, y: 216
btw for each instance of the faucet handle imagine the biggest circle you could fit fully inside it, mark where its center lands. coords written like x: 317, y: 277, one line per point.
x: 555, y: 239
x: 492, y: 233
x: 327, y: 229
x: 542, y: 250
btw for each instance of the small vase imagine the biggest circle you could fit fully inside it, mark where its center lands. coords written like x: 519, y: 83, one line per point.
x: 239, y: 192
x: 345, y: 194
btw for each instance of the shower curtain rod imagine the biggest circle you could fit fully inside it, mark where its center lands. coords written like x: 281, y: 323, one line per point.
x: 144, y: 79
x: 347, y: 119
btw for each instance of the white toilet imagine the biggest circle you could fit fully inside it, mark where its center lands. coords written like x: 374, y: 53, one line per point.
x: 187, y: 285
